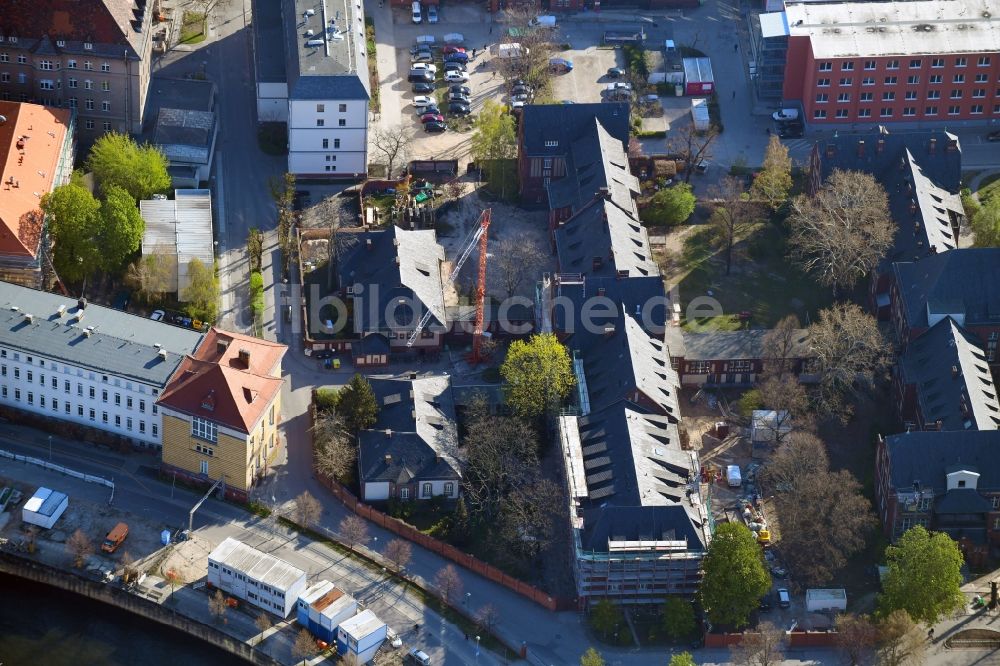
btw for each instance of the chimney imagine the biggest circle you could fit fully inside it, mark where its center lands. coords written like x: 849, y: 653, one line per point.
x: 162, y: 354
x: 932, y: 146
x: 954, y: 372
x: 601, y: 291
x: 82, y: 304
x: 861, y: 147
x: 913, y: 207
x: 28, y: 317
x: 368, y: 243
x: 61, y: 310
x: 388, y: 433
x: 880, y: 146
x: 939, y: 423
x: 598, y: 262
x: 609, y: 330
x: 603, y: 193
x: 221, y: 346
x: 245, y: 356
x: 412, y: 375
x: 388, y: 459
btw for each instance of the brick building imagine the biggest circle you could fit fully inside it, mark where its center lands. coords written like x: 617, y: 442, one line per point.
x: 866, y: 62
x: 89, y: 55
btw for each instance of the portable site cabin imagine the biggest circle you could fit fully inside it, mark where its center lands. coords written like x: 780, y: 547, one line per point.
x: 699, y: 113
x: 359, y: 638
x: 768, y: 426
x: 826, y: 600
x: 322, y: 607
x: 698, y: 76
x: 44, y: 508
x: 256, y: 577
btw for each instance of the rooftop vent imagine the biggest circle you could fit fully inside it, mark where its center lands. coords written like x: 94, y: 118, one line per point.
x: 82, y: 304
x: 14, y: 308
x: 310, y: 12
x: 61, y: 310
x: 245, y: 357
x: 28, y: 317
x: 316, y: 43
x: 162, y: 354
x: 310, y: 32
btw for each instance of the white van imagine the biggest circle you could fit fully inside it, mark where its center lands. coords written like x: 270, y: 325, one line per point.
x: 416, y: 12
x: 419, y: 657
x: 543, y: 21
x: 733, y: 477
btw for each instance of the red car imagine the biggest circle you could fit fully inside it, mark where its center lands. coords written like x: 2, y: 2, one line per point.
x: 432, y: 118
x: 451, y: 48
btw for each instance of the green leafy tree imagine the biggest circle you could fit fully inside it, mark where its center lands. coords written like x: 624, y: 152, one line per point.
x: 121, y: 228
x: 735, y: 578
x: 494, y: 143
x: 924, y: 577
x: 202, y: 293
x: 986, y: 224
x: 774, y: 181
x: 592, y: 658
x: 72, y: 212
x: 357, y: 404
x: 152, y: 276
x: 605, y: 617
x: 539, y: 374
x: 678, y: 618
x: 750, y: 400
x: 117, y: 160
x: 682, y: 659
x: 670, y: 206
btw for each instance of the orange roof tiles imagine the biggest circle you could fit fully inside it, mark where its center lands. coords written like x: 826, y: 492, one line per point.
x: 215, y: 383
x: 31, y: 142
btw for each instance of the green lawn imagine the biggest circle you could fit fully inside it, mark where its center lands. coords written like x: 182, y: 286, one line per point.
x: 763, y: 281
x: 193, y: 28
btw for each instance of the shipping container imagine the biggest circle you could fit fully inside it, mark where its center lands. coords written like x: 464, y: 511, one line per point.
x: 698, y: 77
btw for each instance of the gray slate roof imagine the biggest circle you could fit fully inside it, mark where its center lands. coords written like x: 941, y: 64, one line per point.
x: 606, y: 232
x: 339, y: 68
x: 728, y: 345
x: 185, y: 136
x: 565, y: 123
x: 595, y: 160
x: 647, y: 523
x: 393, y: 263
x: 415, y: 427
x: 962, y: 500
x: 928, y: 456
x: 963, y: 283
x: 929, y: 364
x: 633, y: 295
x: 121, y: 344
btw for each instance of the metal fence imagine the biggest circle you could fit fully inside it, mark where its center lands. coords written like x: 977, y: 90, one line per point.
x: 45, y: 464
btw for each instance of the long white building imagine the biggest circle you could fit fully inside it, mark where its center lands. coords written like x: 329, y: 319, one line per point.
x: 256, y: 577
x: 64, y: 359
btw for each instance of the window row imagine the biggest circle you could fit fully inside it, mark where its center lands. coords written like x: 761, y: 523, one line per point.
x: 81, y: 411
x: 934, y: 79
x: 907, y: 111
x: 890, y: 96
x: 915, y: 63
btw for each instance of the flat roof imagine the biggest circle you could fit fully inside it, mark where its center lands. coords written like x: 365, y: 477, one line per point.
x: 258, y: 565
x: 118, y: 344
x: 327, y: 58
x: 839, y: 30
x: 773, y: 24
x: 269, y: 41
x: 44, y: 502
x: 363, y: 624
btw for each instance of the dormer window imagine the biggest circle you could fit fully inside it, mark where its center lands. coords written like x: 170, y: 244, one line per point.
x: 551, y: 144
x: 208, y: 402
x: 87, y: 46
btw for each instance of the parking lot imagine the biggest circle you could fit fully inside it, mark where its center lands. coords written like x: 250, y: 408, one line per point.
x: 589, y: 76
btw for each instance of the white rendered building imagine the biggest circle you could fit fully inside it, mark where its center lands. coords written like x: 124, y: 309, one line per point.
x: 256, y: 577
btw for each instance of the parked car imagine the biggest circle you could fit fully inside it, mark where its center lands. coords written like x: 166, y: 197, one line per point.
x: 786, y: 114
x: 791, y: 130
x: 458, y: 97
x: 424, y: 110
x: 432, y: 14
x: 419, y: 657
x: 520, y: 90
x: 423, y: 56
x: 115, y: 537
x: 459, y: 109
x: 465, y: 90
x: 423, y: 87
x: 519, y: 98
x: 455, y: 67
x: 322, y: 354
x: 425, y: 66
x: 157, y: 315
x: 560, y: 65
x: 517, y: 104
x: 415, y: 10
x: 779, y: 571
x: 457, y: 56
x: 418, y: 48
x: 420, y: 77
x: 456, y: 77
x: 451, y: 48
x: 454, y: 38
x: 432, y: 118
x: 567, y: 101
x: 435, y: 127
x: 618, y: 85
x: 616, y: 72
x: 784, y: 599
x: 993, y: 136
x: 423, y: 100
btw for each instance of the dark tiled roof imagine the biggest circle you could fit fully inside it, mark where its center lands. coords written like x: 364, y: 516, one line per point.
x: 397, y: 264
x: 728, y: 345
x: 911, y: 175
x: 928, y: 456
x: 962, y: 500
x: 565, y: 123
x: 98, y: 22
x: 415, y: 428
x: 595, y: 160
x: 948, y: 369
x: 641, y: 523
x: 603, y: 240
x: 963, y: 283
x: 645, y: 296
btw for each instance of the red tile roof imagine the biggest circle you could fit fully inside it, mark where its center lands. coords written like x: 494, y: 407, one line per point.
x: 95, y: 21
x: 31, y: 141
x: 216, y: 384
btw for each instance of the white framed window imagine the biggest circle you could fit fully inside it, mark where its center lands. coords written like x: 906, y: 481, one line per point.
x: 984, y: 61
x: 87, y: 65
x: 204, y: 467
x: 342, y: 108
x: 886, y: 112
x: 825, y: 66
x: 869, y: 65
x: 45, y: 65
x: 937, y: 63
x: 106, y: 86
x: 427, y: 490
x: 909, y: 111
x: 930, y: 111
x: 892, y: 64
x: 933, y: 94
x: 842, y: 113
x: 4, y: 57
x: 105, y: 67
x: 105, y: 105
x: 935, y: 79
x: 71, y: 64
x: 107, y: 126
x: 404, y: 493
x: 204, y: 429
x: 72, y: 83
x: 868, y: 81
x: 961, y: 62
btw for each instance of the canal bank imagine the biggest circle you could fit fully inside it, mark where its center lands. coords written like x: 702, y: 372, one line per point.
x: 95, y: 593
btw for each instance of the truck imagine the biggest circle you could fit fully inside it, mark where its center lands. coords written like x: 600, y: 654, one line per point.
x: 826, y: 600
x: 511, y: 51
x: 115, y: 538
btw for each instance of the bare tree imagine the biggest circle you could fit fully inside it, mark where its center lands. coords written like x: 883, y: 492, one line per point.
x: 263, y: 622
x: 516, y: 261
x: 900, y: 642
x: 151, y: 276
x: 174, y: 578
x: 799, y: 458
x: 787, y: 398
x: 398, y: 551
x: 353, y: 531
x: 501, y: 450
x: 734, y: 216
x: 533, y: 65
x: 841, y: 233
x: 335, y: 450
x: 392, y: 145
x: 692, y: 146
x: 307, y: 509
x: 780, y: 345
x: 856, y: 637
x: 304, y: 646
x: 528, y: 516
x: 448, y: 583
x: 129, y: 572
x: 760, y: 648
x: 217, y: 606
x: 487, y: 618
x: 849, y: 351
x: 79, y: 546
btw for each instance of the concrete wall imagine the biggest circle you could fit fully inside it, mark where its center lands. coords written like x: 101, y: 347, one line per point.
x: 113, y: 596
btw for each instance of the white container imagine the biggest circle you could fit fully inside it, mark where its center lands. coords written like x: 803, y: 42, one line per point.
x: 733, y: 477
x: 544, y: 21
x: 44, y: 508
x: 826, y: 600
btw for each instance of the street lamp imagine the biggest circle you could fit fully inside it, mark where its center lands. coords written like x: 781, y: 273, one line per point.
x: 477, y: 649
x: 50, y: 448
x: 467, y: 595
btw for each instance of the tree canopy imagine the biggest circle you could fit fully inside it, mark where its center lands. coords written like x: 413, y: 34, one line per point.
x: 682, y: 659
x: 494, y: 142
x: 924, y: 577
x: 735, y: 578
x: 357, y: 404
x: 670, y: 206
x: 592, y: 658
x: 117, y: 160
x: 121, y: 228
x: 774, y: 181
x: 539, y: 375
x: 678, y: 618
x: 73, y: 215
x: 202, y: 293
x: 986, y: 224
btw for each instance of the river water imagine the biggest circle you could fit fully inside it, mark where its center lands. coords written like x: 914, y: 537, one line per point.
x: 43, y: 626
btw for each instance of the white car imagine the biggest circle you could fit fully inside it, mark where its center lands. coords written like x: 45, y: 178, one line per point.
x: 423, y: 100
x: 416, y: 12
x: 432, y: 14
x: 157, y: 315
x: 456, y: 77
x: 425, y: 66
x: 785, y: 114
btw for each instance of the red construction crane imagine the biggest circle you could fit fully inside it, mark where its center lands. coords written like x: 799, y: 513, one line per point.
x: 478, y: 238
